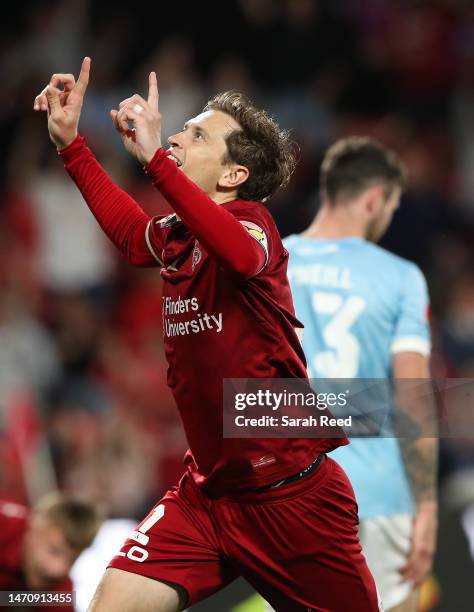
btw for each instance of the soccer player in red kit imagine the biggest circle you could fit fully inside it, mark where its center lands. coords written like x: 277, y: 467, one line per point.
x: 38, y: 547
x: 275, y: 511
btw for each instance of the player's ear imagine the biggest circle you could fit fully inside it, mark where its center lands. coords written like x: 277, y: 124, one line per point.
x: 233, y: 176
x: 374, y: 198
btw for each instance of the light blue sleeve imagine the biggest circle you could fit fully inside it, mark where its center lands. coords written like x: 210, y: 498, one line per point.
x: 412, y: 332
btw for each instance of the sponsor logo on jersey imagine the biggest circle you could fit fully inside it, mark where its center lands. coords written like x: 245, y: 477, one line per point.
x: 176, y: 325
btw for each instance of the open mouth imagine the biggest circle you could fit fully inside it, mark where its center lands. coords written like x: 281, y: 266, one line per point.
x: 177, y: 161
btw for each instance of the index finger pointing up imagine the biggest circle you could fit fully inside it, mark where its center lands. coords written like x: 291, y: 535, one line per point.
x: 83, y: 79
x: 153, y: 95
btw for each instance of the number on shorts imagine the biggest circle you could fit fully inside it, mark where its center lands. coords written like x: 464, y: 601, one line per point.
x: 137, y: 553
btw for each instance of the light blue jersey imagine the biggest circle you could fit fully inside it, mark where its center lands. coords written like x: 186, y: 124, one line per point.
x: 360, y: 304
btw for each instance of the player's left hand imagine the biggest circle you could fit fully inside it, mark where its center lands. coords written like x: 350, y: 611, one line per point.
x: 420, y: 560
x: 144, y: 138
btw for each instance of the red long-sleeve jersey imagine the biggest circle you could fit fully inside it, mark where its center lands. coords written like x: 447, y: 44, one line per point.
x: 227, y: 311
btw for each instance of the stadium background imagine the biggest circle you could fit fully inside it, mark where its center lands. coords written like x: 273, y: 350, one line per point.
x: 83, y: 398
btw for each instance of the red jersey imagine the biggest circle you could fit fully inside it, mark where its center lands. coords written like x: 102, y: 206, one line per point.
x: 227, y: 312
x: 13, y: 522
x: 13, y: 526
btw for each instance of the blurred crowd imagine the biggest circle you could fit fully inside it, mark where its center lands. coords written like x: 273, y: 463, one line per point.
x: 83, y: 398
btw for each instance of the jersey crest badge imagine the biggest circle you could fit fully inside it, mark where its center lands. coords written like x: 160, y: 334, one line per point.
x: 197, y: 255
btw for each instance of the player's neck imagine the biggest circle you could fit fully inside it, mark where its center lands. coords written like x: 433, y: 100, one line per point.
x: 223, y: 198
x: 333, y: 225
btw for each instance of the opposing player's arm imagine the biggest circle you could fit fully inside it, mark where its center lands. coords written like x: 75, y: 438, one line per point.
x: 416, y: 420
x: 118, y: 214
x: 415, y: 411
x: 416, y: 423
x: 219, y: 231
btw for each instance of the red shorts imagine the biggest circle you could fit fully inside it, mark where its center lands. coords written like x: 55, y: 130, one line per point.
x: 296, y: 544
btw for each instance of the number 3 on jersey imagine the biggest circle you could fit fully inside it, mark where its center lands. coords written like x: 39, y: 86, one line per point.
x: 137, y: 553
x: 342, y: 358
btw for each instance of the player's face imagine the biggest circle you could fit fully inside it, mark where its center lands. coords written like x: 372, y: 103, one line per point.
x: 47, y: 557
x: 383, y: 217
x: 200, y: 147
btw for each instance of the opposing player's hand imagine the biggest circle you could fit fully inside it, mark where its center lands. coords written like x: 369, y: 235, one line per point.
x: 64, y: 105
x: 138, y: 122
x: 420, y: 560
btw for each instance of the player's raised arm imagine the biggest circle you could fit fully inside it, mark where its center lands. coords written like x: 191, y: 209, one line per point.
x: 223, y: 236
x: 118, y: 214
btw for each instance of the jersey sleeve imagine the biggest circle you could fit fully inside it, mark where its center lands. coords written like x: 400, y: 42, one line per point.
x: 118, y: 214
x: 412, y: 331
x: 154, y: 236
x: 216, y: 228
x: 258, y: 228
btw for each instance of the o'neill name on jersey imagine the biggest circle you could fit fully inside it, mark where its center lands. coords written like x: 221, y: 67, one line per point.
x: 322, y: 275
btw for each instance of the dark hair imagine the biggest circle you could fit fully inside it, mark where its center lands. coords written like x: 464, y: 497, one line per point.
x: 260, y: 145
x: 78, y: 520
x: 354, y: 164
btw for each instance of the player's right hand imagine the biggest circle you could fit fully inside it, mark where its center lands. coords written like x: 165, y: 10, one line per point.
x: 143, y: 139
x: 64, y: 106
